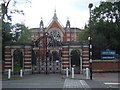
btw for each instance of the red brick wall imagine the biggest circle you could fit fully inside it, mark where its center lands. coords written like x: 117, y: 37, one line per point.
x: 104, y: 65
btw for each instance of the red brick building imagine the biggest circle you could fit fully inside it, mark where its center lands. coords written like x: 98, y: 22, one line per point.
x: 57, y: 30
x: 48, y: 57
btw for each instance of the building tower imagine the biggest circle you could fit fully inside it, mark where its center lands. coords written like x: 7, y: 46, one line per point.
x: 41, y: 24
x: 68, y: 24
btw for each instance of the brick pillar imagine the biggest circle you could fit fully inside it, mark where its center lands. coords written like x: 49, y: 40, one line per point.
x: 85, y: 57
x: 28, y: 59
x: 8, y: 59
x: 65, y: 58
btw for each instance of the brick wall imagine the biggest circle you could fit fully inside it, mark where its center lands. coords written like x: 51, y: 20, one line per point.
x: 106, y: 65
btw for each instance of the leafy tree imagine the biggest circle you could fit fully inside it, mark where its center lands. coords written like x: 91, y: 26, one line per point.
x: 105, y: 28
x: 25, y: 34
x: 83, y: 35
x: 7, y: 18
x: 6, y: 36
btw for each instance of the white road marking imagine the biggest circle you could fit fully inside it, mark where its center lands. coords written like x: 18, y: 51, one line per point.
x: 112, y: 83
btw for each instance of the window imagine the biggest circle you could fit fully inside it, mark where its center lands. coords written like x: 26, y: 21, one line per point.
x: 56, y: 34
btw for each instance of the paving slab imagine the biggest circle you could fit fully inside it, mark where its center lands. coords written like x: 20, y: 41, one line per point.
x: 72, y: 83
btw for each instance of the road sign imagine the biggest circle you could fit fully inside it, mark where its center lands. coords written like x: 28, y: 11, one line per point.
x: 108, y: 54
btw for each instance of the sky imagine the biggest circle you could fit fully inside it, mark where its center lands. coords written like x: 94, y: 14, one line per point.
x: 76, y: 10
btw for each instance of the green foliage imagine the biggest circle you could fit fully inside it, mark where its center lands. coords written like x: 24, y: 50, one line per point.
x: 17, y: 53
x: 17, y: 67
x: 78, y: 67
x: 117, y: 56
x: 13, y: 77
x: 83, y: 35
x: 105, y: 28
x: 17, y: 59
x: 25, y: 33
x: 6, y: 18
x: 6, y: 36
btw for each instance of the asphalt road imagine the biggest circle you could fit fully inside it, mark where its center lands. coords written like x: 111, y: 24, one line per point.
x: 36, y: 81
x: 53, y: 81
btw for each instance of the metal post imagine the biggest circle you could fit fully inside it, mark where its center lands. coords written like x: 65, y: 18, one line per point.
x: 72, y: 72
x: 90, y: 71
x: 66, y: 72
x: 46, y: 50
x: 9, y: 73
x: 90, y: 58
x: 21, y: 73
x: 87, y: 73
x: 90, y: 43
x: 38, y: 59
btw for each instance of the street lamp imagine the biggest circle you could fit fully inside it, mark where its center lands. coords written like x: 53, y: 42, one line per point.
x: 90, y: 44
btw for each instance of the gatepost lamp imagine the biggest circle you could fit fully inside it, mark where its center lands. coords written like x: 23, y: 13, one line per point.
x: 90, y: 44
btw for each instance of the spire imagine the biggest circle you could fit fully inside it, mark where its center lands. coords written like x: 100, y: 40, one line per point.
x: 68, y: 23
x: 41, y: 24
x: 55, y: 15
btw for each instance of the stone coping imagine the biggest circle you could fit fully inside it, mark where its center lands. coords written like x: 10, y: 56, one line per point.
x: 105, y: 61
x: 18, y: 43
x: 74, y: 42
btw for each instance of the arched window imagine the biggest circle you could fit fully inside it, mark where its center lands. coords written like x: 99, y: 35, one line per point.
x: 56, y: 34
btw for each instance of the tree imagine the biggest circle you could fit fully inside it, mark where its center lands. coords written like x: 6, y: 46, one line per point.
x: 105, y: 28
x: 7, y: 18
x: 6, y: 10
x: 25, y: 34
x: 6, y: 36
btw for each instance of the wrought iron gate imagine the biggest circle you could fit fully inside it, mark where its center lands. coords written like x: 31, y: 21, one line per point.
x: 43, y: 62
x: 47, y: 67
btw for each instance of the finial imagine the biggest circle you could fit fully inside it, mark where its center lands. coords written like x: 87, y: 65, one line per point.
x: 41, y: 23
x: 55, y: 10
x: 67, y: 18
x: 68, y: 23
x: 55, y: 15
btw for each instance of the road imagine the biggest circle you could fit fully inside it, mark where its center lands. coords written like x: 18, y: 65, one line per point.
x: 59, y: 81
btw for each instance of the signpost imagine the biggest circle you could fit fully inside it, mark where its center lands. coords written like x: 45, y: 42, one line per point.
x: 108, y: 54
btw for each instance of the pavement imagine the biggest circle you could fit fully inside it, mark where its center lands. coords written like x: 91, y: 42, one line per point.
x: 61, y: 82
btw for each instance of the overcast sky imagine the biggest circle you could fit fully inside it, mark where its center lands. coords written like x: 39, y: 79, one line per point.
x: 76, y: 10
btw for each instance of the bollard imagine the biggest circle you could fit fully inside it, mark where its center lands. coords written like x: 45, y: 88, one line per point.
x: 72, y: 72
x: 9, y: 73
x: 21, y: 73
x: 66, y: 72
x: 87, y: 73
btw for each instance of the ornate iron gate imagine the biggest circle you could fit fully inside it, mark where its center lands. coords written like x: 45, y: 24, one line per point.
x: 44, y: 63
x: 49, y: 67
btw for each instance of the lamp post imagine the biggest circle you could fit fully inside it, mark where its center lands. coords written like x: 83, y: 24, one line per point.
x: 90, y: 44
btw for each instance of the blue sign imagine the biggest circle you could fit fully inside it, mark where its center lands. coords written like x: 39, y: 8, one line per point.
x: 108, y: 54
x: 108, y: 57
